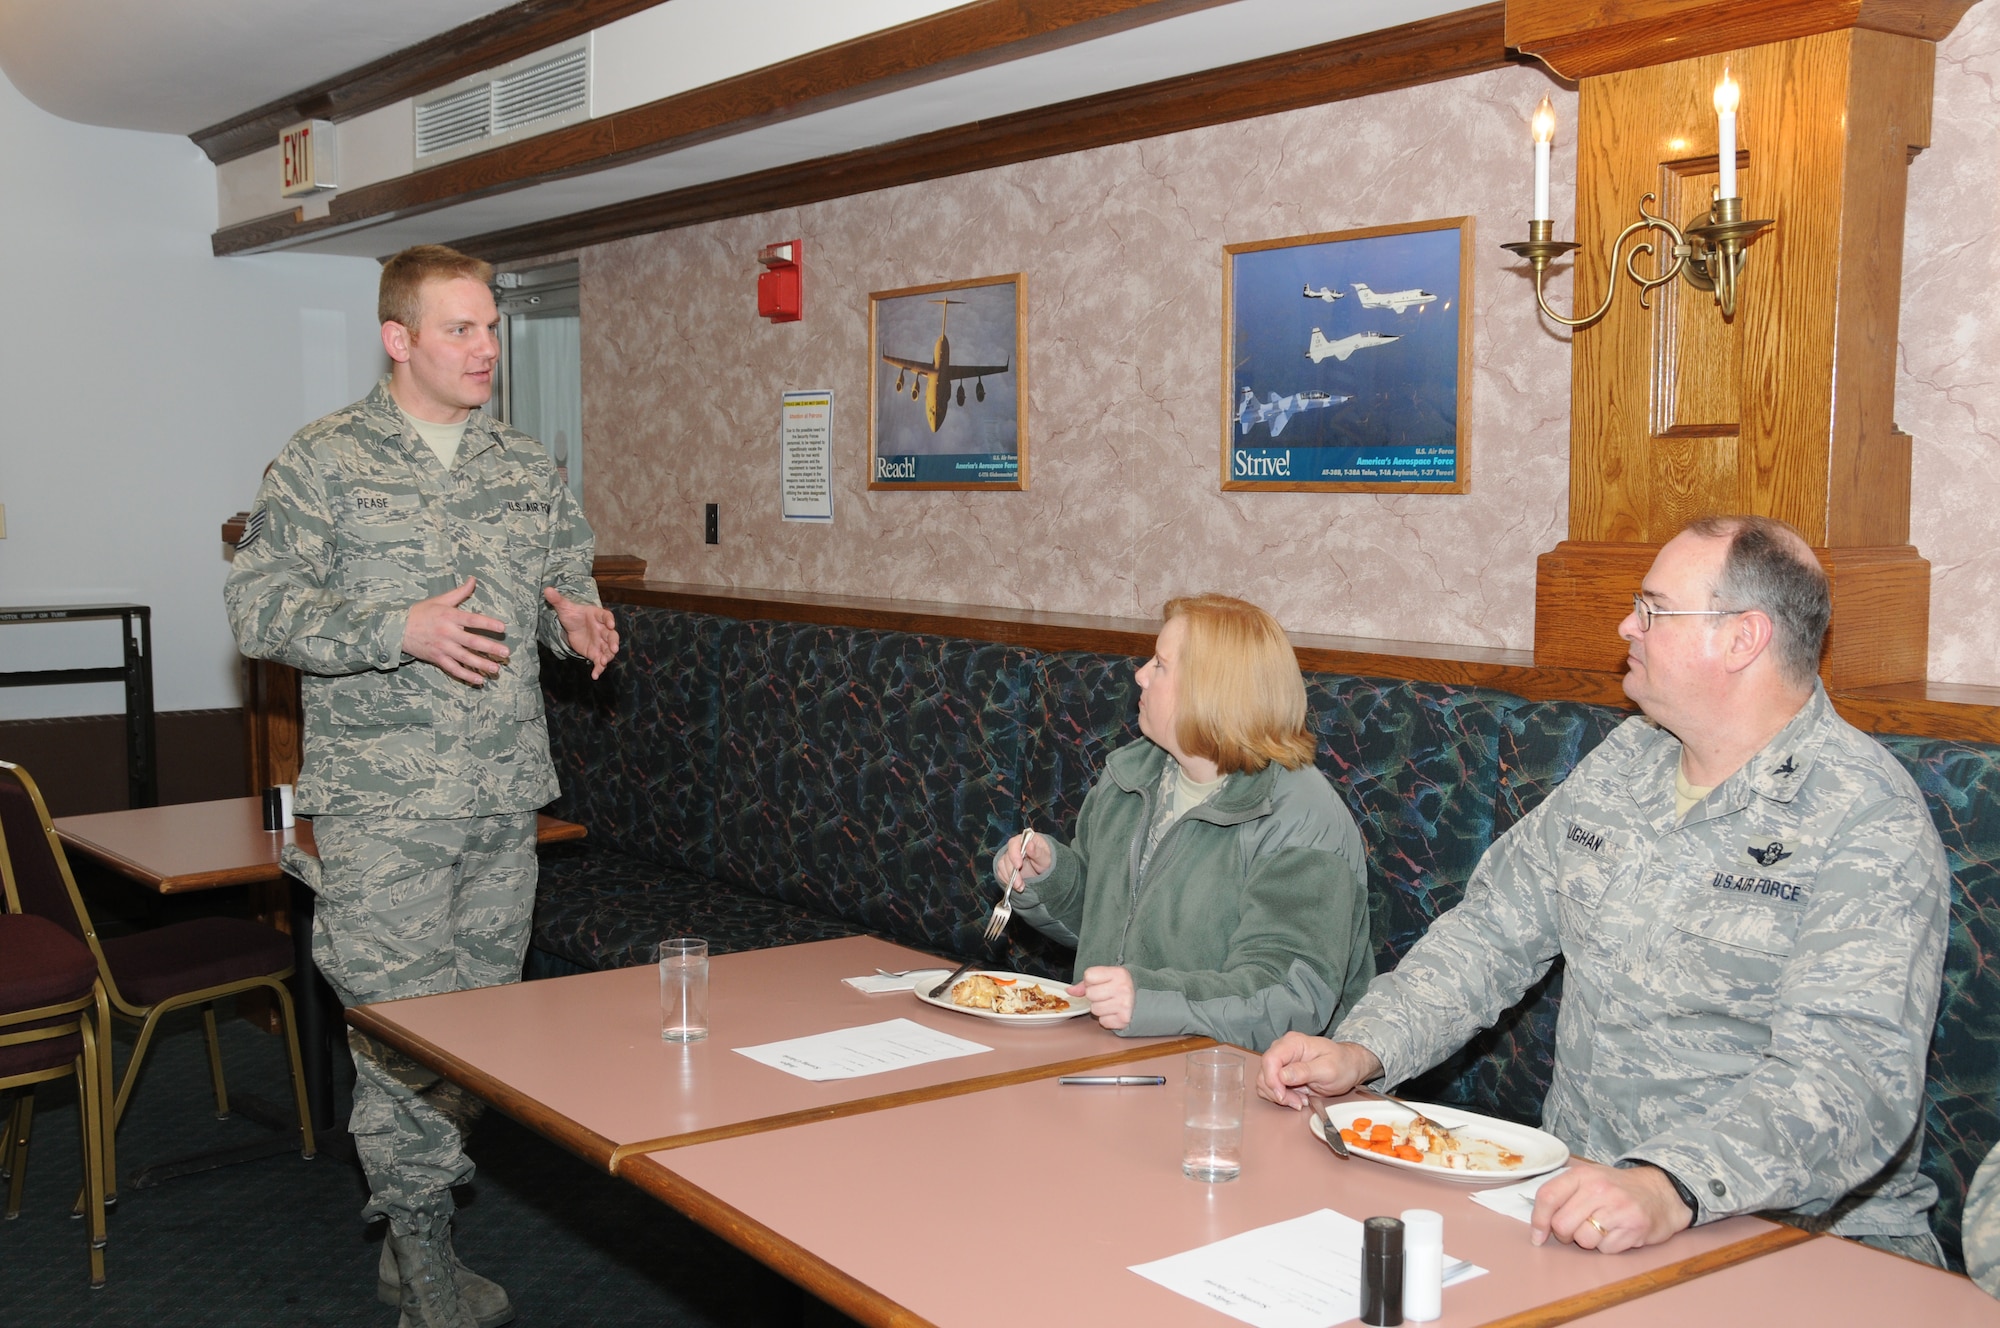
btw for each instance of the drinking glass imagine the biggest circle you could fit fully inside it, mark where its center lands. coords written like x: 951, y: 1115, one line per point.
x: 684, y: 989
x: 1212, y: 1141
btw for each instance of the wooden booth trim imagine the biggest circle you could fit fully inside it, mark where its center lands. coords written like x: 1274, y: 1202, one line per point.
x: 1450, y: 46
x: 1926, y: 710
x: 485, y: 42
x: 1582, y: 38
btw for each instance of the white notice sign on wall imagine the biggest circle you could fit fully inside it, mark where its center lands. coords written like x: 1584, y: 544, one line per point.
x: 805, y: 456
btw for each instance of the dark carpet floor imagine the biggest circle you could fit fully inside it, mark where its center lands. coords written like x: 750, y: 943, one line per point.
x: 280, y: 1241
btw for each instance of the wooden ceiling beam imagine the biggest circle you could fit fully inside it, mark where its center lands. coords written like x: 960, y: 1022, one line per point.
x: 970, y: 37
x: 1431, y: 50
x: 483, y: 43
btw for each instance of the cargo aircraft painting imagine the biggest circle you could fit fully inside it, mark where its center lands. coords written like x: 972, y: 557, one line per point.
x: 1397, y: 300
x: 1319, y: 348
x: 936, y: 377
x: 1277, y: 411
x: 1327, y: 293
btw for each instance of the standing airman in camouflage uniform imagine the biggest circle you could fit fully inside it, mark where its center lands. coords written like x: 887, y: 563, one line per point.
x: 1980, y: 1231
x: 405, y: 554
x: 1751, y: 901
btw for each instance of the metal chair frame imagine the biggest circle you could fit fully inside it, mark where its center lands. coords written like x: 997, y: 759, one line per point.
x: 92, y: 1023
x: 148, y: 1017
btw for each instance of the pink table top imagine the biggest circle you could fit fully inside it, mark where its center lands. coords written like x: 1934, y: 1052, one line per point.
x: 580, y: 1058
x: 187, y: 846
x: 877, y: 1214
x: 1826, y: 1282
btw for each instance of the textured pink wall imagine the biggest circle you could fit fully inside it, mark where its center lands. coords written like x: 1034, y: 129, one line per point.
x: 1123, y: 252
x: 1948, y: 391
x: 1122, y: 248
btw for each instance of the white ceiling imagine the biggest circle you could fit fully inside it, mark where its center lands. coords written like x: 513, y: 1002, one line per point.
x: 176, y: 66
x: 180, y: 65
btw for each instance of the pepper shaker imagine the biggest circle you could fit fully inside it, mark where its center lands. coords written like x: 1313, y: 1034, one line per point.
x: 1382, y: 1272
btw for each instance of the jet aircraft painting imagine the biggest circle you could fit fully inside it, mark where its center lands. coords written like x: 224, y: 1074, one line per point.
x: 1397, y: 300
x: 1327, y: 293
x: 935, y: 378
x: 1278, y: 411
x: 1319, y: 348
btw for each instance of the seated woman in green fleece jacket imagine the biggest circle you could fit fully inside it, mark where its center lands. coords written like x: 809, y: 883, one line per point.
x: 1216, y: 883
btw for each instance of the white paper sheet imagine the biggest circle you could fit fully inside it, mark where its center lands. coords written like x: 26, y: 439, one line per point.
x: 1516, y: 1201
x: 1304, y: 1273
x: 849, y: 1053
x: 876, y: 984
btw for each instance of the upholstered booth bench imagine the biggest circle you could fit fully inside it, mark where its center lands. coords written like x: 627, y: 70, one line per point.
x: 762, y: 782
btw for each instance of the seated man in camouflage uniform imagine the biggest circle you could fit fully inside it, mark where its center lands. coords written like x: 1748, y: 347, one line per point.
x: 1751, y: 902
x: 405, y: 554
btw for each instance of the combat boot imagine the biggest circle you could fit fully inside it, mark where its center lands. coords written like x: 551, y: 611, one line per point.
x: 486, y: 1299
x: 428, y: 1276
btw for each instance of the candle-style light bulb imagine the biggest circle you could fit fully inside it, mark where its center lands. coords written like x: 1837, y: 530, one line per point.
x: 1726, y: 96
x: 1544, y: 127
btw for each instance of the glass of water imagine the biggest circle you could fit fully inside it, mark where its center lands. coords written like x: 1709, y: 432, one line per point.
x: 684, y: 990
x: 1212, y: 1142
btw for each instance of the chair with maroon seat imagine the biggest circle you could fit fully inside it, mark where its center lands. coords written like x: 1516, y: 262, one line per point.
x: 151, y: 973
x: 54, y: 1022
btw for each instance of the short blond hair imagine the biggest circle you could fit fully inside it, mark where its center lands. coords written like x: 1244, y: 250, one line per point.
x: 400, y: 299
x: 1242, y: 701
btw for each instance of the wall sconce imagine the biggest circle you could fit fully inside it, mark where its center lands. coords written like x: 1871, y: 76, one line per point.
x: 1708, y: 253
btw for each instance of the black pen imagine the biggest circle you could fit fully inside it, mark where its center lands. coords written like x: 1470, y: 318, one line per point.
x: 1115, y: 1080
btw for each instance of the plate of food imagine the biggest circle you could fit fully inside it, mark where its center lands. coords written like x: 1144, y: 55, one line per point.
x: 1476, y: 1150
x: 1007, y: 998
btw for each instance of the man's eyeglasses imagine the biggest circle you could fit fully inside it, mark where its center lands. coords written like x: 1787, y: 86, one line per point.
x: 1647, y: 613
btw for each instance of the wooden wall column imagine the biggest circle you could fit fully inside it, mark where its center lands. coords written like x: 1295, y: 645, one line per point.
x: 1786, y: 409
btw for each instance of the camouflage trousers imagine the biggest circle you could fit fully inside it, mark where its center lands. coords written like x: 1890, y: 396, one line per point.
x: 413, y: 907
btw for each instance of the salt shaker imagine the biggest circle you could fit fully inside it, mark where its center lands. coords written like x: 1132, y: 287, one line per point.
x: 1382, y: 1272
x: 1423, y: 1264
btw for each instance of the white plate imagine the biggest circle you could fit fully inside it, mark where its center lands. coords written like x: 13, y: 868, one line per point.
x: 1539, y: 1150
x: 930, y: 978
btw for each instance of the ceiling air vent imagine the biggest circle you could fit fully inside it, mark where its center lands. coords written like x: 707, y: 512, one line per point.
x: 530, y: 96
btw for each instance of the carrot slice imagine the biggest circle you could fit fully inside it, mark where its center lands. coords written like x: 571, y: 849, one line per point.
x: 1362, y: 1123
x: 1349, y: 1136
x: 1407, y: 1153
x: 1380, y: 1134
x: 1001, y: 982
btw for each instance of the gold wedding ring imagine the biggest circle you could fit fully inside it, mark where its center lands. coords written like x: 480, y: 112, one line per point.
x: 1599, y: 1225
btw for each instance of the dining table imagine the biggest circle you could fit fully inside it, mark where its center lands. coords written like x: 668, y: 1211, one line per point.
x: 581, y: 1060
x: 1031, y: 1202
x: 185, y: 847
x: 1827, y: 1283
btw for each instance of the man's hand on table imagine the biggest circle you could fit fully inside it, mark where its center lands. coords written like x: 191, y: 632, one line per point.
x: 1297, y: 1063
x: 439, y: 632
x: 591, y: 631
x: 1109, y: 991
x: 1609, y: 1209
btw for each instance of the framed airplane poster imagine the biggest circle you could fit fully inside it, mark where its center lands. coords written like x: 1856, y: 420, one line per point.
x: 1346, y: 360
x: 947, y: 407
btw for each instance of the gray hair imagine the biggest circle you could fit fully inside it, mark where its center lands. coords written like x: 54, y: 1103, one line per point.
x: 1770, y: 567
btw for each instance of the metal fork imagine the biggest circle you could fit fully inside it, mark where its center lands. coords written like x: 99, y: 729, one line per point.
x: 1004, y: 910
x: 1439, y: 1126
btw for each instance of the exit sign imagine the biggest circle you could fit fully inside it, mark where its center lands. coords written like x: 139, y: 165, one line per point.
x: 306, y: 156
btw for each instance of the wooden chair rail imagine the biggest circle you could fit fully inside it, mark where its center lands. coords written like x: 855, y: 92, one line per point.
x: 1928, y: 710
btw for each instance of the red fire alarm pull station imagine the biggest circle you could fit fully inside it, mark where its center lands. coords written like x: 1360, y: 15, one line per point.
x: 778, y: 284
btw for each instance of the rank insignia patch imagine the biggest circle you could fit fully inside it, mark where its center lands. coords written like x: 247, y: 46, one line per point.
x: 252, y: 528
